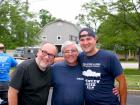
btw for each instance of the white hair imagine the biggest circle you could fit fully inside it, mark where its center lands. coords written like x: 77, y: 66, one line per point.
x: 67, y: 43
x: 1, y: 45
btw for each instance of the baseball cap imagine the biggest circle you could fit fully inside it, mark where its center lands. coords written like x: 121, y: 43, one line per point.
x: 1, y: 45
x: 87, y: 32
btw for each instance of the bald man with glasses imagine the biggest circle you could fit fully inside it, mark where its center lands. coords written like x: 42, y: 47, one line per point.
x: 31, y: 81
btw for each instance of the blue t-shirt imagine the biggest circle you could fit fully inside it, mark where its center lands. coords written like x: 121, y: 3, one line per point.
x: 68, y: 84
x: 100, y: 71
x: 6, y: 62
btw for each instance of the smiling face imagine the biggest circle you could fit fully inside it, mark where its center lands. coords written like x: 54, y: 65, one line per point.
x: 46, y: 55
x: 88, y: 43
x: 70, y: 54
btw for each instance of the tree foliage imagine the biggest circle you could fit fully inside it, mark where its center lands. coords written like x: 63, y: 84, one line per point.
x: 18, y: 26
x: 15, y: 21
x: 45, y: 17
x: 116, y: 17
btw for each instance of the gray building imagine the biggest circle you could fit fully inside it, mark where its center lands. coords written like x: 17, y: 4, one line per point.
x: 59, y: 31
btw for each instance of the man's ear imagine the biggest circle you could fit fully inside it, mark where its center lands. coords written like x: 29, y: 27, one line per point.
x: 97, y: 39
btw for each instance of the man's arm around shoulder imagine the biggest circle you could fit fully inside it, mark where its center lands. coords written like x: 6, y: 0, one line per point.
x: 122, y: 89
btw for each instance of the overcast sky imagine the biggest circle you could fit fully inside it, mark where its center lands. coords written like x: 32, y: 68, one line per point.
x: 64, y: 9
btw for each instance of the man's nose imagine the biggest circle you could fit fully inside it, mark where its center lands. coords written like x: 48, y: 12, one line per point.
x: 70, y: 53
x: 47, y: 56
x: 85, y: 42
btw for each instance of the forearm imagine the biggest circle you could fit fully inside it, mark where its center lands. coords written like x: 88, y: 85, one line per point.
x: 123, y: 93
x: 123, y: 90
x: 58, y: 59
x: 12, y: 96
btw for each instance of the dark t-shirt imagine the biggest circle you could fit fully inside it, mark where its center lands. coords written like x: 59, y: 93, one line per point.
x: 68, y: 84
x: 100, y: 71
x: 32, y: 83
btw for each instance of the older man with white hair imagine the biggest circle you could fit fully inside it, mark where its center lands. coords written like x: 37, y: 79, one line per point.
x: 67, y: 79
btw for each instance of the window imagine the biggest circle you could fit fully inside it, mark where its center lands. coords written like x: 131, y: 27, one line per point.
x: 73, y: 38
x: 44, y: 37
x: 59, y: 37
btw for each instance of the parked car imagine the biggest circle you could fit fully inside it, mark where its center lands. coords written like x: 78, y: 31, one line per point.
x: 18, y: 53
x: 25, y: 52
x: 30, y: 52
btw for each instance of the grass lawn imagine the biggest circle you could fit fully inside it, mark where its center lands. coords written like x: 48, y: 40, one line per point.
x: 132, y: 78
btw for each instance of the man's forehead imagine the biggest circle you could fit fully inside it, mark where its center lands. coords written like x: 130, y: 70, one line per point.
x: 72, y: 46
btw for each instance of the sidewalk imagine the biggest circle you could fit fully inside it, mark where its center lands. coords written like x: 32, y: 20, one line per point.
x: 136, y: 92
x: 129, y: 65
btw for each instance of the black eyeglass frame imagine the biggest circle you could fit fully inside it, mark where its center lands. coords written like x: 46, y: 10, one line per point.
x: 45, y: 53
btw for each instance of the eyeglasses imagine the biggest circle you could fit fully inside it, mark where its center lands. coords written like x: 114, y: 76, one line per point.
x: 70, y: 51
x: 45, y: 53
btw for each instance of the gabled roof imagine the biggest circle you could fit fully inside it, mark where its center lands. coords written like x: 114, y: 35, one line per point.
x: 60, y: 20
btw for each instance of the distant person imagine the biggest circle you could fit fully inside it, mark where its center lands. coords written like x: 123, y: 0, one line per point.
x: 31, y: 80
x: 100, y: 68
x: 67, y: 79
x: 6, y: 62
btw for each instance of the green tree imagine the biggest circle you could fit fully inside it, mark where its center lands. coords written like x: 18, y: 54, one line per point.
x: 117, y: 36
x: 15, y: 21
x: 119, y: 19
x: 45, y: 17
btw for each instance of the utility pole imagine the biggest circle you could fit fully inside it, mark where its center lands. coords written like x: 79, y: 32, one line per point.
x: 26, y: 31
x: 139, y: 58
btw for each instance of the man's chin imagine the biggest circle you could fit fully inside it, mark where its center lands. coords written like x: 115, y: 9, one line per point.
x: 86, y: 51
x: 44, y: 65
